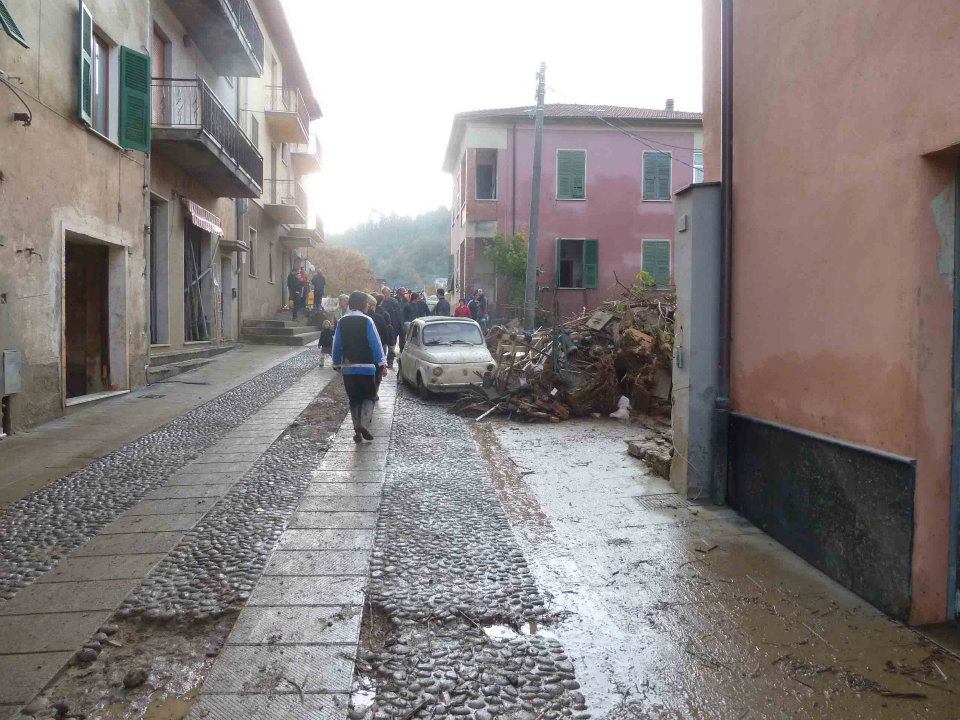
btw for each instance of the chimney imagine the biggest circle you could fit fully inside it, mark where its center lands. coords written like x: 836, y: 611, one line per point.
x: 669, y: 103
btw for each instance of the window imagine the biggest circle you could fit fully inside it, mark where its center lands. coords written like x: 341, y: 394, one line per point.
x: 577, y: 263
x: 452, y: 333
x: 254, y: 131
x: 100, y: 117
x: 414, y: 334
x: 9, y: 26
x: 571, y: 174
x: 656, y: 260
x: 115, y: 105
x: 486, y: 174
x: 656, y: 175
x: 698, y: 166
x: 252, y: 267
x: 270, y: 264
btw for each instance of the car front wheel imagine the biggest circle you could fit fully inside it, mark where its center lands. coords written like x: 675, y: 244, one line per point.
x: 422, y: 390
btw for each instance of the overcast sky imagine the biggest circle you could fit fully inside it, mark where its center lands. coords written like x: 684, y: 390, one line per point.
x: 390, y: 76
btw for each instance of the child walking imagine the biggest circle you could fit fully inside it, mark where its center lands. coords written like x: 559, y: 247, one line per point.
x: 326, y: 341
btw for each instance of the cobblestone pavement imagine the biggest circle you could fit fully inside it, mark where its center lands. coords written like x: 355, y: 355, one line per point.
x: 37, y: 531
x: 456, y: 624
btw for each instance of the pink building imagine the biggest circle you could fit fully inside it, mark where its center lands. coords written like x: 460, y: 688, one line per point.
x: 606, y: 204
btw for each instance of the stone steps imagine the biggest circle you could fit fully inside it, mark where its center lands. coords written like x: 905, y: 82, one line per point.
x: 296, y: 339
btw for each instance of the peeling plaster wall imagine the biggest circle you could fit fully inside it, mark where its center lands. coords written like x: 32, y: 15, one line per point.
x: 842, y: 301
x: 60, y: 177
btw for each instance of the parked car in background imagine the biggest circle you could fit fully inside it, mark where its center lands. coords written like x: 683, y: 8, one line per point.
x: 444, y: 355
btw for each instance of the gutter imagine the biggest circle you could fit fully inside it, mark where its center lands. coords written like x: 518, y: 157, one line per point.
x: 721, y: 464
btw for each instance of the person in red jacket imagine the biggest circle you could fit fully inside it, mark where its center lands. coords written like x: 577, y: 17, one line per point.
x: 463, y: 310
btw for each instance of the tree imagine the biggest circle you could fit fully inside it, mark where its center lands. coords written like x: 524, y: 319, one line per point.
x: 509, y: 258
x: 344, y: 270
x: 407, y: 251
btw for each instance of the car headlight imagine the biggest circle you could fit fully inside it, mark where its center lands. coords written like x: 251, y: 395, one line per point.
x: 437, y: 371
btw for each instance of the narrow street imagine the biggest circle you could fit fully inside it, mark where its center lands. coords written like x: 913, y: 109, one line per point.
x: 248, y: 560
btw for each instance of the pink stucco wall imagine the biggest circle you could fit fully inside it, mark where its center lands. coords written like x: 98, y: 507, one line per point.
x: 613, y: 213
x: 841, y: 315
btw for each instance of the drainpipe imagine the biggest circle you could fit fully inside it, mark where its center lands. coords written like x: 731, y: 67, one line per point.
x: 513, y: 184
x: 722, y: 415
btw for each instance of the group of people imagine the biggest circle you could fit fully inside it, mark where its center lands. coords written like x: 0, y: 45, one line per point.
x: 363, y: 341
x: 300, y: 284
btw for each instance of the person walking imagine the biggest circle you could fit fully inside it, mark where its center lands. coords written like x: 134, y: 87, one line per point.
x: 383, y: 330
x: 358, y: 356
x: 295, y: 288
x: 474, y: 306
x: 463, y: 310
x: 319, y: 283
x: 343, y: 305
x: 409, y: 315
x: 442, y: 308
x: 391, y: 309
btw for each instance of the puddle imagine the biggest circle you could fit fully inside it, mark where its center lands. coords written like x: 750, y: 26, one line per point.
x: 363, y: 693
x: 510, y: 632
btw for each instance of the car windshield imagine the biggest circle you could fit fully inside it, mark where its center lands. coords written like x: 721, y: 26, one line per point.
x: 452, y: 333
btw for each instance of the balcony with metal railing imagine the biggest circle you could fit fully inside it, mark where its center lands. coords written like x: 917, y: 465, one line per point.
x: 303, y: 236
x: 307, y: 157
x: 192, y: 128
x: 226, y: 32
x: 285, y: 201
x: 286, y: 115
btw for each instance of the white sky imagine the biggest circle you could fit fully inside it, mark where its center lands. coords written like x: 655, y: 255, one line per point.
x: 390, y: 76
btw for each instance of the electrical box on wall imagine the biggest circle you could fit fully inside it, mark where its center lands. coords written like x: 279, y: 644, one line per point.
x: 10, y: 372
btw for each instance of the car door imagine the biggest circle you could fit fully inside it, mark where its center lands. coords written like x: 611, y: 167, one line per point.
x: 408, y: 358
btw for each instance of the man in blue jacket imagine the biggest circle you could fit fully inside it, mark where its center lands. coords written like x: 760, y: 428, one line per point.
x: 358, y: 356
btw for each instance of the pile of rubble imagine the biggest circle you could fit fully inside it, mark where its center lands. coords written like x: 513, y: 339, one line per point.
x: 585, y: 365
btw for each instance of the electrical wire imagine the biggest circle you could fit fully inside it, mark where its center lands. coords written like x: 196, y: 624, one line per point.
x: 22, y: 101
x: 649, y: 142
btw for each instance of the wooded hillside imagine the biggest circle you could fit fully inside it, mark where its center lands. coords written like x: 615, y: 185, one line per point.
x: 407, y: 251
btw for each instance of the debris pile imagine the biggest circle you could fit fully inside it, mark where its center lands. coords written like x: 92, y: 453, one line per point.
x: 582, y: 366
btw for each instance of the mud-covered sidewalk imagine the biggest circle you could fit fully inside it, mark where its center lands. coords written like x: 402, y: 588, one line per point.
x: 670, y: 609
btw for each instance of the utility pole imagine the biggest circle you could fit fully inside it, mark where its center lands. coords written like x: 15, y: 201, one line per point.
x: 530, y: 296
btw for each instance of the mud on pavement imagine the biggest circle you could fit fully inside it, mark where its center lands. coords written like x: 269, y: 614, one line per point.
x: 454, y: 624
x: 166, y: 636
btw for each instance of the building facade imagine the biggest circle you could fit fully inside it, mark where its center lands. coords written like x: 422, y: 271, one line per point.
x: 606, y: 204
x: 73, y: 204
x: 150, y: 176
x: 844, y: 293
x: 202, y: 162
x: 277, y: 109
x: 231, y: 114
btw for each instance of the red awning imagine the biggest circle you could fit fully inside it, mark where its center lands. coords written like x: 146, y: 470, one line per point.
x: 203, y: 218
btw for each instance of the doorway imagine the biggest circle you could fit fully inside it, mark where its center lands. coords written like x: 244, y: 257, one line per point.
x: 159, y: 279
x: 86, y: 318
x: 227, y: 295
x: 197, y: 284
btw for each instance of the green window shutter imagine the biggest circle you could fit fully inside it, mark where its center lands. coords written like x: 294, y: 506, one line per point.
x: 591, y: 263
x: 556, y: 278
x: 85, y: 85
x: 134, y: 100
x: 656, y: 176
x: 656, y: 261
x: 571, y: 171
x: 9, y: 26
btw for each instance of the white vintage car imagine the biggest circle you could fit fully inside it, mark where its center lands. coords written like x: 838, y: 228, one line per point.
x: 444, y: 354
